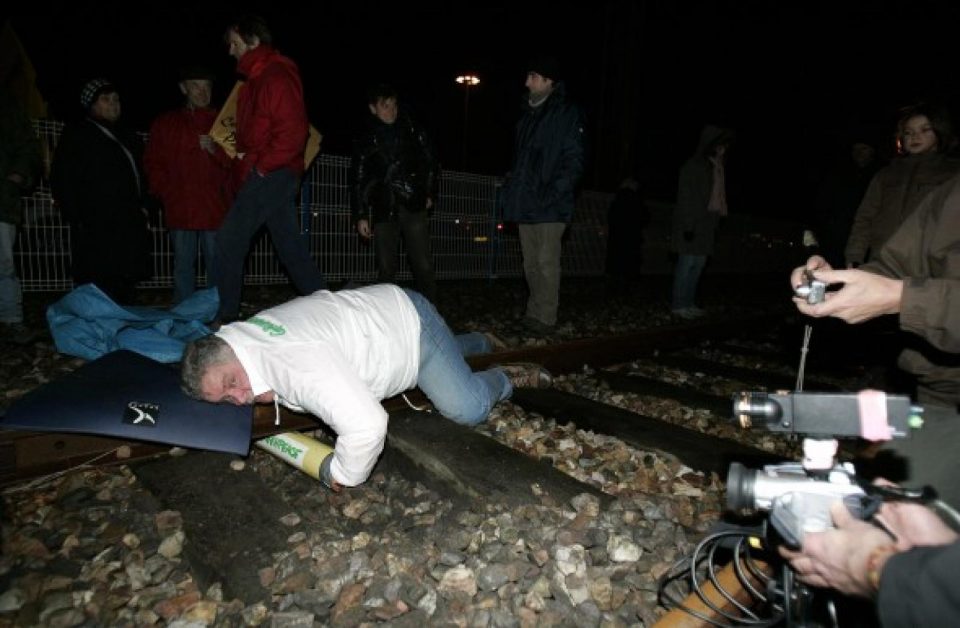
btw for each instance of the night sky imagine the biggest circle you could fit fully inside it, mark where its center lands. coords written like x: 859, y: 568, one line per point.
x: 793, y: 78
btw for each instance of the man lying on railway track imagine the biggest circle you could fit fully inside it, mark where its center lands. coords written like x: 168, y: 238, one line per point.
x: 336, y: 355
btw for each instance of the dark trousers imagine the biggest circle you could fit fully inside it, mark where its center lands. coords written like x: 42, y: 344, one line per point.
x: 263, y: 200
x: 414, y: 227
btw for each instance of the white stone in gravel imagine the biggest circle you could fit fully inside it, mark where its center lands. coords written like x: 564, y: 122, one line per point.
x: 171, y: 546
x: 460, y: 579
x: 238, y: 465
x: 360, y: 540
x: 131, y: 540
x: 428, y: 603
x: 290, y: 519
x: 621, y: 549
x: 571, y: 559
x: 11, y: 600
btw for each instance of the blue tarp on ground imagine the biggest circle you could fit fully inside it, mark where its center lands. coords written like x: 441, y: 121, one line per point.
x: 86, y: 323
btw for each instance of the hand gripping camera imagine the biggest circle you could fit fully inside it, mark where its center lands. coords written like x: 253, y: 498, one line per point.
x: 798, y: 496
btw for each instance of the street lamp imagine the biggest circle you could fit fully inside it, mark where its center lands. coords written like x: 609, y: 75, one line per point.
x: 468, y: 81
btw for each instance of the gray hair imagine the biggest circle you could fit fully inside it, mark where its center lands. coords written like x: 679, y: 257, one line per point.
x: 200, y: 355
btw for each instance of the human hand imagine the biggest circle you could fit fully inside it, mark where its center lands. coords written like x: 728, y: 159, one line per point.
x: 799, y: 275
x: 363, y: 228
x: 837, y: 558
x: 863, y: 295
x: 207, y: 144
x: 913, y: 524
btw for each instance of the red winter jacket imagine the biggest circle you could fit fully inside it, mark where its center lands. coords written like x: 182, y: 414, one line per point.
x: 192, y: 184
x: 271, y: 117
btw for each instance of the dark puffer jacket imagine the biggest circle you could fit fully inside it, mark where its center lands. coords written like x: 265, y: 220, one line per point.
x: 394, y: 165
x: 19, y: 154
x: 548, y: 162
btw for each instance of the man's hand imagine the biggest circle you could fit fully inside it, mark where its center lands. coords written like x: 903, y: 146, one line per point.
x: 838, y: 558
x: 863, y: 295
x: 326, y: 477
x: 206, y: 143
x: 363, y: 228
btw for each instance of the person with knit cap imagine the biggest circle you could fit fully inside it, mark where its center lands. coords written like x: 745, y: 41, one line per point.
x: 189, y: 173
x: 539, y: 190
x: 100, y: 189
x: 271, y: 130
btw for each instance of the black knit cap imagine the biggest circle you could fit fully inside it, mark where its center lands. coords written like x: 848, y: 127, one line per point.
x: 546, y: 66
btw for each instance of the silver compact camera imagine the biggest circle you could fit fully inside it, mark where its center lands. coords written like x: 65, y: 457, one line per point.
x: 814, y: 291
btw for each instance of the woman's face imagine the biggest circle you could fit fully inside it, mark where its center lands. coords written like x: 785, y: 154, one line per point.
x: 917, y: 136
x: 107, y: 107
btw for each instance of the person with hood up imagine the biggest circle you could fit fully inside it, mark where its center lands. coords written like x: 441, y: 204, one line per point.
x: 701, y: 202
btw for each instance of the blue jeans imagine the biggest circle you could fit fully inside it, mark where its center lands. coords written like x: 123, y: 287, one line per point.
x: 456, y: 392
x: 185, y: 243
x: 263, y: 200
x: 11, y: 298
x: 686, y: 276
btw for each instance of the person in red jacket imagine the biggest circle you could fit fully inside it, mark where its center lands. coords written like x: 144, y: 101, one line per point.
x: 271, y: 138
x: 189, y: 173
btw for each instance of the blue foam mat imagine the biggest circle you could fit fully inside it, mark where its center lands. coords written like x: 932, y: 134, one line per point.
x: 128, y: 396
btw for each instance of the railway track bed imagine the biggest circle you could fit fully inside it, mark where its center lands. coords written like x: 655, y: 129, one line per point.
x: 563, y: 509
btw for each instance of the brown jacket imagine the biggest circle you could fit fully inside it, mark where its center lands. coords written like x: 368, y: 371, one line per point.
x: 893, y: 194
x: 925, y: 253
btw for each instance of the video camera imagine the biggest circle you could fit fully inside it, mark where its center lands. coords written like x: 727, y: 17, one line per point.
x: 798, y: 496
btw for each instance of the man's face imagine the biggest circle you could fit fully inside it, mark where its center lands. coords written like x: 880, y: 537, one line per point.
x: 198, y: 92
x: 236, y: 47
x: 106, y: 107
x: 227, y: 382
x: 385, y: 110
x: 538, y: 85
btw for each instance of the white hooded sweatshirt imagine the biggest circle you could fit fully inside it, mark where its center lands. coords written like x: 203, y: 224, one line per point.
x: 335, y: 355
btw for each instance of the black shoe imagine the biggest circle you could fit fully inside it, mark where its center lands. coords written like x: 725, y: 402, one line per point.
x: 18, y: 334
x: 537, y: 327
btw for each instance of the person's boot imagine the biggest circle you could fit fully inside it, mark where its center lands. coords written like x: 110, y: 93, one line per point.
x: 527, y: 375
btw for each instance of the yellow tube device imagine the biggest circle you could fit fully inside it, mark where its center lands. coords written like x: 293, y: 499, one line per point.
x: 298, y: 450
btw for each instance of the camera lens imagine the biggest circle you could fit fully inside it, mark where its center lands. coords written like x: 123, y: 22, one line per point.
x: 740, y: 482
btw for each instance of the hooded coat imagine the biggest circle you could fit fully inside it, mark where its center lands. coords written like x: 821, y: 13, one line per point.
x: 694, y: 227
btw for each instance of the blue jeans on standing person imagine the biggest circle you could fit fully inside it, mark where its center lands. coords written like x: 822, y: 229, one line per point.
x: 445, y: 378
x: 185, y: 243
x: 264, y: 199
x: 686, y: 276
x: 11, y: 298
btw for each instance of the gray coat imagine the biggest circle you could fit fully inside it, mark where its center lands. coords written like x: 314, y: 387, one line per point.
x: 693, y: 226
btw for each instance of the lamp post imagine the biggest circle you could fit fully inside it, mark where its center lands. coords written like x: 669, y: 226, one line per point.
x: 468, y: 81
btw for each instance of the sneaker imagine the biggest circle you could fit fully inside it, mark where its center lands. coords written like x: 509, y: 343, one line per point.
x: 537, y: 327
x: 18, y: 334
x: 527, y: 375
x: 495, y: 341
x: 688, y: 313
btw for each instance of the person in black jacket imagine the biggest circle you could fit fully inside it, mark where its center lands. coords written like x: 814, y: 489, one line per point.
x: 99, y: 186
x: 394, y: 177
x: 539, y: 190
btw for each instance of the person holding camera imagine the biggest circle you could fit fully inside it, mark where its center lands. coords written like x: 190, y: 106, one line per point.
x: 915, y: 277
x: 907, y: 565
x: 394, y: 178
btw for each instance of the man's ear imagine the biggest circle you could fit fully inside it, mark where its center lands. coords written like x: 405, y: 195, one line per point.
x: 183, y: 88
x: 373, y: 109
x: 254, y: 41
